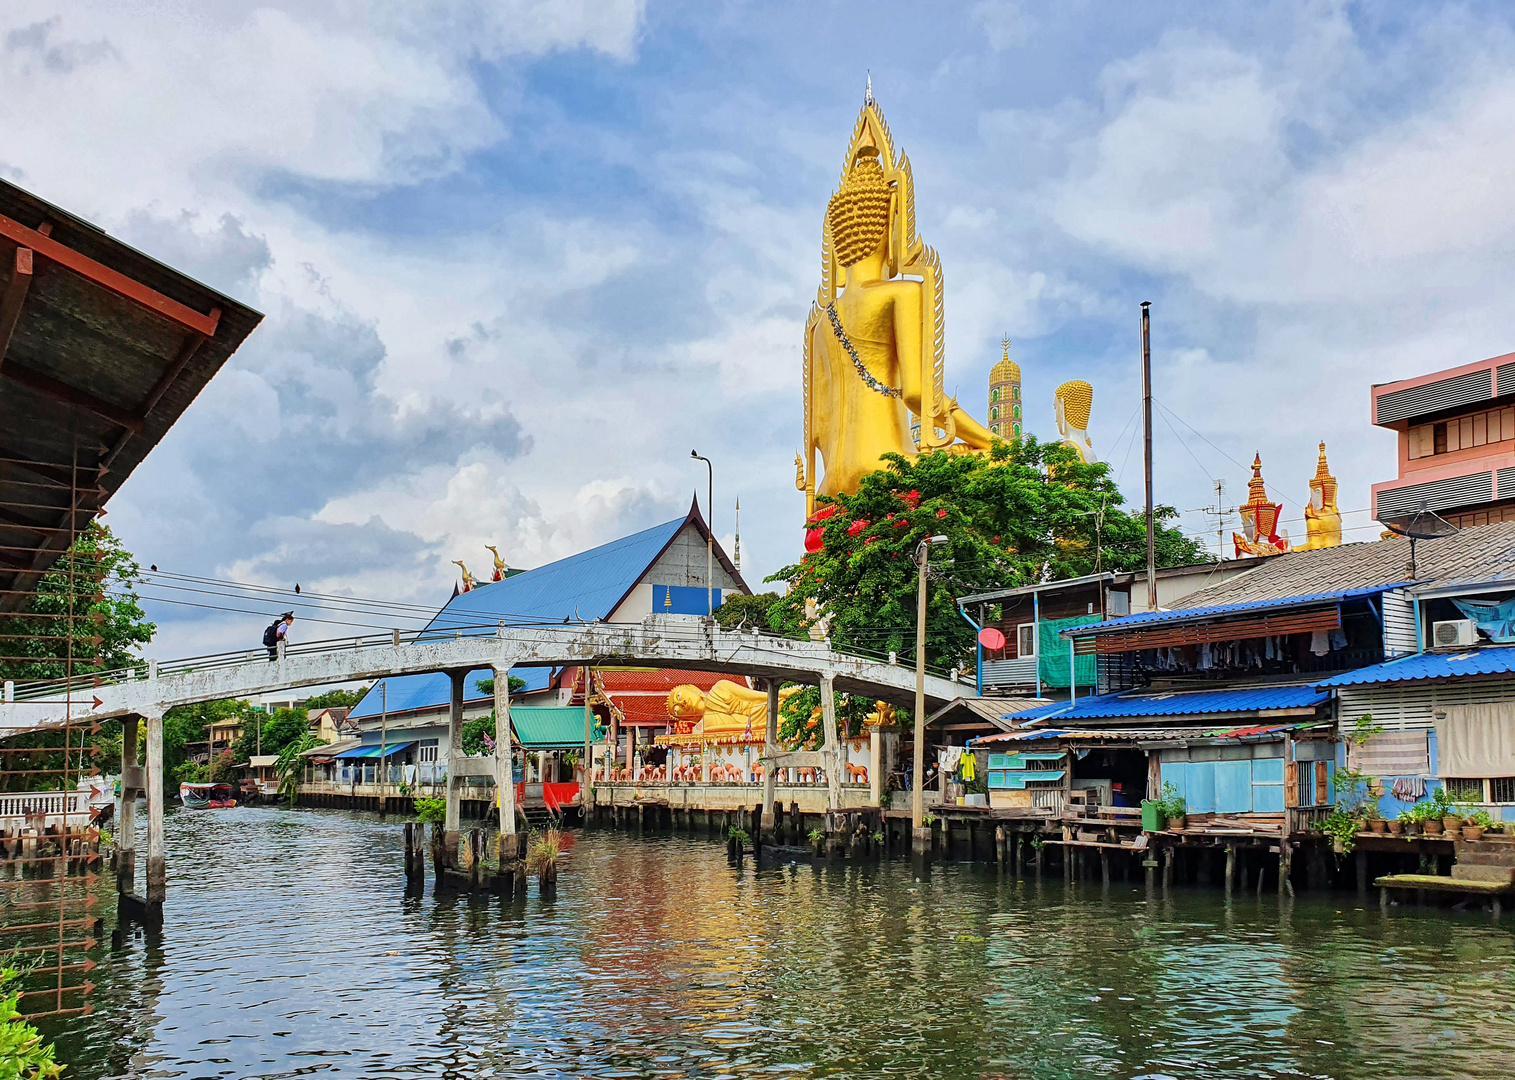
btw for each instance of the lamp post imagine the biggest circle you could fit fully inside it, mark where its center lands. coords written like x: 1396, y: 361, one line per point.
x: 709, y: 534
x: 921, y: 839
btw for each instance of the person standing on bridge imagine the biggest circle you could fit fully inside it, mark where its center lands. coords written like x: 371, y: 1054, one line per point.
x: 277, y: 632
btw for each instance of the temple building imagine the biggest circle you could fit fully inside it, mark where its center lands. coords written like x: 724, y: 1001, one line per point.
x: 1005, y: 396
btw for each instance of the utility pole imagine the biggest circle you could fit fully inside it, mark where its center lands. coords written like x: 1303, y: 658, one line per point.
x: 1220, y: 511
x: 1147, y: 452
x: 709, y: 535
x: 920, y: 838
x: 383, y: 742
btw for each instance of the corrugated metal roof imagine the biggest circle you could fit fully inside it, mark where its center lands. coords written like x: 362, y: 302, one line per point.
x: 1001, y: 712
x: 1241, y: 700
x: 1142, y: 735
x: 1494, y: 660
x: 408, y: 693
x: 1199, y: 614
x: 550, y: 727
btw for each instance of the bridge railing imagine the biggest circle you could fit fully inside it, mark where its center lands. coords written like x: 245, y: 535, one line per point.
x: 692, y: 632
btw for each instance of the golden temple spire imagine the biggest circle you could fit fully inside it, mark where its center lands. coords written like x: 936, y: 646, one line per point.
x: 1322, y: 517
x: 1259, y: 519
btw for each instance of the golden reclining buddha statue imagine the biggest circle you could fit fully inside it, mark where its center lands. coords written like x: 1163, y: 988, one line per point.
x: 874, y: 352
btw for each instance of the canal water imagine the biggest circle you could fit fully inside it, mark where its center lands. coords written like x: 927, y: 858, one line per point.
x: 290, y: 947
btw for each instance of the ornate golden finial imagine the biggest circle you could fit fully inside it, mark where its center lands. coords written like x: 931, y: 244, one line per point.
x: 1005, y: 344
x: 1072, y: 403
x: 736, y: 545
x: 868, y: 90
x: 1322, y: 518
x: 468, y: 581
x: 1259, y: 519
x: 1005, y: 395
x: 499, y: 563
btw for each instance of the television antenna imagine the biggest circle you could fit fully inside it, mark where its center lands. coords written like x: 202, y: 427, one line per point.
x: 1220, y: 512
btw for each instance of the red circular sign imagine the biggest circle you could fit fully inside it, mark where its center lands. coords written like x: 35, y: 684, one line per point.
x: 991, y: 639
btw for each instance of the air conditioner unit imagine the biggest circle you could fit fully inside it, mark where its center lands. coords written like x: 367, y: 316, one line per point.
x: 1454, y: 632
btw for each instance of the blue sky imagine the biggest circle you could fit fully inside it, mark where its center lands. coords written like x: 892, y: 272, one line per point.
x: 517, y: 258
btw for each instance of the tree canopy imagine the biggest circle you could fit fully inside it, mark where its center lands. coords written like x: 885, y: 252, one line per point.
x: 1026, y: 512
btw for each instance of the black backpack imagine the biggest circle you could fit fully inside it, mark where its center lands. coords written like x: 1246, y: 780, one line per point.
x: 271, y: 635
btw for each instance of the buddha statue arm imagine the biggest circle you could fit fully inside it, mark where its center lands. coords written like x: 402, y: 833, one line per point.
x: 909, y: 348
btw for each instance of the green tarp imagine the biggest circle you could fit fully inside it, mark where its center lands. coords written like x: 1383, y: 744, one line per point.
x: 1053, y: 653
x: 550, y: 727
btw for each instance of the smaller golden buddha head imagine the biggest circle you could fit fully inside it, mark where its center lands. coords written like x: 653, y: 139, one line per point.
x: 858, y: 214
x: 1075, y: 399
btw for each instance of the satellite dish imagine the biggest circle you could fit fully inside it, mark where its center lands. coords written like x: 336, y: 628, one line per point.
x: 1424, y: 524
x: 991, y: 639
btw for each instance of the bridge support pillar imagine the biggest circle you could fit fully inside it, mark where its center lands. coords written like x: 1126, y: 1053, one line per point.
x: 451, y: 825
x: 126, y: 824
x: 504, y: 779
x: 832, y: 754
x: 157, y: 867
x: 770, y: 773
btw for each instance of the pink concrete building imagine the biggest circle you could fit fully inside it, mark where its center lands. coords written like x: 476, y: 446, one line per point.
x: 1456, y: 443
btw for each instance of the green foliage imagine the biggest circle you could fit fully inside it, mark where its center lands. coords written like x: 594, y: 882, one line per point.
x: 188, y: 772
x: 801, y: 727
x: 23, y: 1055
x: 1341, y: 827
x: 544, y: 851
x: 90, y: 591
x: 739, y: 835
x: 431, y: 811
x: 1364, y: 729
x: 291, y: 765
x: 336, y: 699
x: 1171, y: 804
x: 736, y: 609
x: 278, y: 729
x: 472, y: 740
x: 1480, y: 818
x: 928, y: 820
x: 1351, y: 790
x: 1025, y: 512
x: 515, y: 684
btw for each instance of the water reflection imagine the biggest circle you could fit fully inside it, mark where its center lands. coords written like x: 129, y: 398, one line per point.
x: 290, y: 946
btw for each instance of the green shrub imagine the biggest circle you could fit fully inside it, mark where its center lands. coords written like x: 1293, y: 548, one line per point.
x: 23, y: 1056
x: 431, y: 811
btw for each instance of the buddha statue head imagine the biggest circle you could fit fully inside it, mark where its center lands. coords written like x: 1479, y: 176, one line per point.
x: 858, y: 213
x: 1072, y: 403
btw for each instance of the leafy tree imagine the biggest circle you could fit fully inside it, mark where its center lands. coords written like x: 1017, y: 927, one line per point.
x: 278, y: 730
x: 515, y: 684
x: 186, y: 725
x: 290, y: 764
x: 801, y: 726
x: 85, y: 617
x: 736, y: 609
x: 475, y: 732
x: 336, y: 699
x: 1025, y: 513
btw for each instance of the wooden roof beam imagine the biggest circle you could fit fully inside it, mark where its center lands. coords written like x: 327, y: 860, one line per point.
x: 105, y: 277
x: 47, y: 386
x: 13, y: 297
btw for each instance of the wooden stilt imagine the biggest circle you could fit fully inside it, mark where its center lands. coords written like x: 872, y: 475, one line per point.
x: 1230, y: 868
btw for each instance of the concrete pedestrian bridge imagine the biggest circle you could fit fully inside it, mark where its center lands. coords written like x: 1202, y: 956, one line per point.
x: 667, y: 641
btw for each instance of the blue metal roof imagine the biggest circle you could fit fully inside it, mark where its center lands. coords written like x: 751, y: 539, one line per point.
x: 1179, y: 703
x: 1493, y: 660
x: 580, y: 588
x: 1147, y: 618
x: 410, y: 692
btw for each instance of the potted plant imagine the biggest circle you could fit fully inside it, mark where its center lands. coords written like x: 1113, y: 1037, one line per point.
x: 1341, y: 827
x: 1475, y: 824
x: 1396, y: 825
x: 1376, y: 822
x: 1175, y: 809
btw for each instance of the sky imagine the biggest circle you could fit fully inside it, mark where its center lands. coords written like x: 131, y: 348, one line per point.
x: 517, y: 258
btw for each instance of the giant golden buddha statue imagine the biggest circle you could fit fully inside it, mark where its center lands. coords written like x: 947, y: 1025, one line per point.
x: 873, y: 353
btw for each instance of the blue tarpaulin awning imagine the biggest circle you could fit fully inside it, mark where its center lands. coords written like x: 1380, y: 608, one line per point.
x: 371, y: 750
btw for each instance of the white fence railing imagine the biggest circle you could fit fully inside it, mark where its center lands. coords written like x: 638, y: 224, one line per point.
x: 25, y: 809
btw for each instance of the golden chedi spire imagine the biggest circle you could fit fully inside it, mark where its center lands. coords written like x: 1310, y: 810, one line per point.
x: 1005, y: 396
x: 1322, y: 518
x: 1259, y: 519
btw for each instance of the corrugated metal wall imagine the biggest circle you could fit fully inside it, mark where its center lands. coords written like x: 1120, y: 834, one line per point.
x: 1398, y: 625
x: 1407, y: 706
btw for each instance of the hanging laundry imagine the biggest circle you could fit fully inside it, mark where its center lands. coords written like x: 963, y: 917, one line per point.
x: 1338, y: 638
x: 1409, y: 788
x: 1268, y: 648
x: 947, y: 758
x: 1320, y: 644
x: 1204, y: 656
x: 967, y: 767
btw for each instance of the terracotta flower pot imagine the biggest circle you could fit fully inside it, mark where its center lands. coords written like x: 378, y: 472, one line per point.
x: 1177, y: 823
x: 1472, y: 832
x: 1451, y: 823
x: 1378, y: 825
x: 1396, y: 827
x: 1432, y: 826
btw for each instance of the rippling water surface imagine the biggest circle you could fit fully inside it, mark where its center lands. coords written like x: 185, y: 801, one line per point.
x: 290, y: 947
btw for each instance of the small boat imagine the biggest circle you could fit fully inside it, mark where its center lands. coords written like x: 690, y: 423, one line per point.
x: 207, y: 796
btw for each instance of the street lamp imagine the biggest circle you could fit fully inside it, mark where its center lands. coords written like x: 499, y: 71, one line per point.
x: 921, y: 839
x: 709, y: 534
